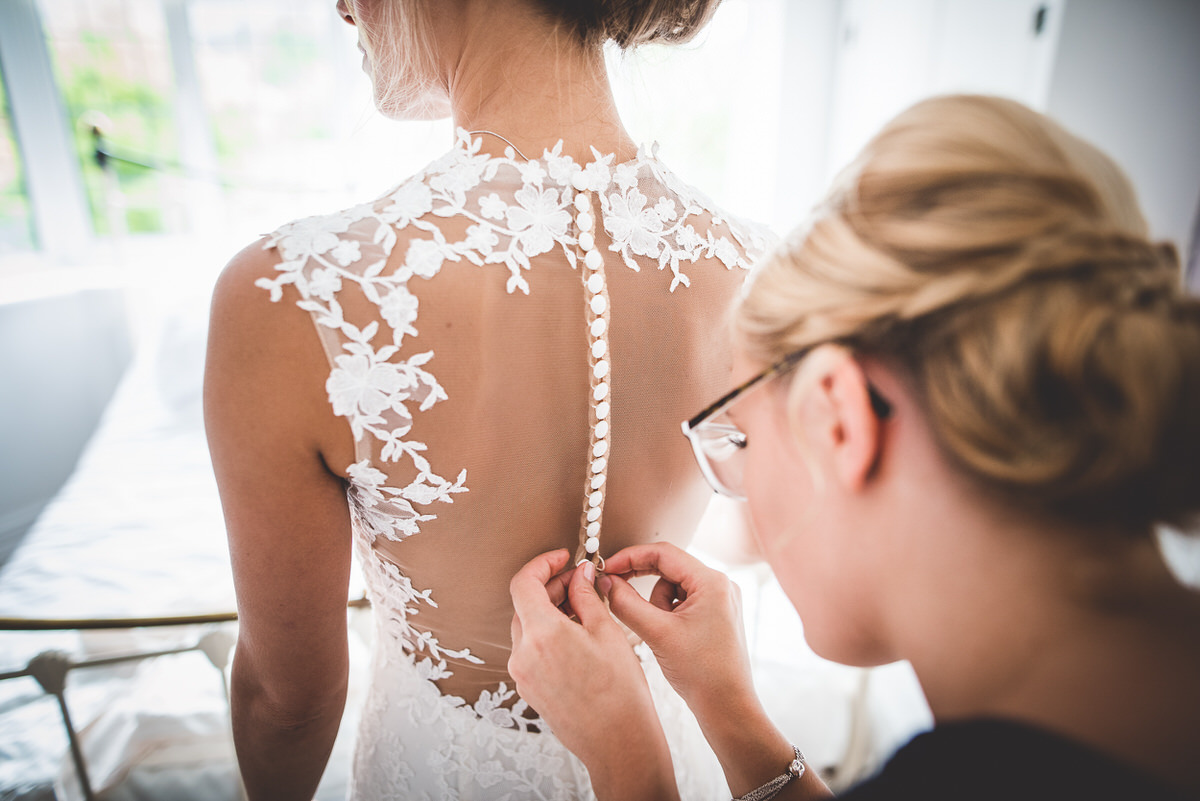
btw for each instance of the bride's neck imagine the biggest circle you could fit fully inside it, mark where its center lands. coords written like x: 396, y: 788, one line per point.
x: 535, y: 85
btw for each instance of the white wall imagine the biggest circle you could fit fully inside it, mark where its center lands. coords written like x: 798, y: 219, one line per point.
x: 1124, y: 75
x: 1127, y: 79
x: 809, y: 31
x: 891, y: 53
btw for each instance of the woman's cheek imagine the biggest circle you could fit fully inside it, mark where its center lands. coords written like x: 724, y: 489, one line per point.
x: 770, y: 492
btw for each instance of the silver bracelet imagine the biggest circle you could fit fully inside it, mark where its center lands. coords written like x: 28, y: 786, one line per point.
x: 771, y: 789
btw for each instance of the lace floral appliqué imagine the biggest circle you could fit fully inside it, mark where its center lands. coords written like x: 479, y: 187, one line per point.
x: 378, y: 390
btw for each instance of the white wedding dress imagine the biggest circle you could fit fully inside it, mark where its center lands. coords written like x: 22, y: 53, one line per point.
x: 512, y: 344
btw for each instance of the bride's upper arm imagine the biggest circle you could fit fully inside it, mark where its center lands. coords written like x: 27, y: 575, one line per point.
x: 271, y: 434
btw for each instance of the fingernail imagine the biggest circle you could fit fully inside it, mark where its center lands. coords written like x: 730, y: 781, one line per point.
x: 589, y: 572
x: 605, y: 585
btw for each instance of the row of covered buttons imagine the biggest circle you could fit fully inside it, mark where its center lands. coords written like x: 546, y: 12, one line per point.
x: 597, y: 300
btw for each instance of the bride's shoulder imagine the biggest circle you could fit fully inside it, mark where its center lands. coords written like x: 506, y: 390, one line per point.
x: 752, y: 238
x: 310, y: 253
x: 310, y: 260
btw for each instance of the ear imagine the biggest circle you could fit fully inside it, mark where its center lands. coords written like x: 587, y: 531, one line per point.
x: 838, y: 419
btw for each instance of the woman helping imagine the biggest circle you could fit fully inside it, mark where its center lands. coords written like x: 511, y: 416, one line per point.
x: 967, y: 395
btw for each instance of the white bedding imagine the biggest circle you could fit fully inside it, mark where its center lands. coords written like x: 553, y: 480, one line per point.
x: 136, y: 532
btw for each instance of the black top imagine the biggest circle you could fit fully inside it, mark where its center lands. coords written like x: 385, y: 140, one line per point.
x: 994, y: 760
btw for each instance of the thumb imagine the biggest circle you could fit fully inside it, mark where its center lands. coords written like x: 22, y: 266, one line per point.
x: 584, y: 601
x: 644, y: 618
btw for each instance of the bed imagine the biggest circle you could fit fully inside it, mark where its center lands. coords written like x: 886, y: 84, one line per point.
x: 136, y: 533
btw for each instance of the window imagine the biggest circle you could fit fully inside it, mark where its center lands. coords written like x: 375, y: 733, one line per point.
x: 114, y: 72
x: 16, y: 223
x: 296, y: 131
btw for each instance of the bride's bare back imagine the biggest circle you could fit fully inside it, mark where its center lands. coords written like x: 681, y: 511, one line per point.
x: 509, y: 348
x: 457, y: 318
x: 484, y: 384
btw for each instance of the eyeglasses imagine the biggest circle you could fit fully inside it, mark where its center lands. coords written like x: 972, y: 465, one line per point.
x: 720, y: 446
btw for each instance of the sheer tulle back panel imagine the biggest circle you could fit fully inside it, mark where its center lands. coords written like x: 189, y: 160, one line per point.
x: 455, y: 317
x: 515, y: 371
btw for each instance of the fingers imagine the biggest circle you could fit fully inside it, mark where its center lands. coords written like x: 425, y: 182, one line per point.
x: 655, y: 559
x: 587, y: 605
x: 556, y: 588
x: 643, y: 618
x: 542, y: 587
x: 515, y: 631
x: 665, y: 595
x: 532, y: 589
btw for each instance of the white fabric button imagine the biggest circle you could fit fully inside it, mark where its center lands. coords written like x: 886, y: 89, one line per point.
x: 594, y: 513
x: 581, y: 200
x: 584, y: 221
x: 579, y: 181
x: 601, y: 369
x: 599, y: 464
x: 595, y: 282
x: 600, y: 448
x: 599, y: 304
x: 601, y: 391
x: 602, y: 410
x: 601, y: 429
x: 598, y: 482
x: 593, y: 529
x: 596, y: 498
x: 586, y: 240
x: 598, y: 348
x: 591, y: 545
x: 598, y: 327
x: 593, y: 259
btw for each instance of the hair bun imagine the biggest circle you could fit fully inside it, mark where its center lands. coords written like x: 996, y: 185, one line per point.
x: 1073, y: 391
x: 630, y: 23
x: 1004, y: 266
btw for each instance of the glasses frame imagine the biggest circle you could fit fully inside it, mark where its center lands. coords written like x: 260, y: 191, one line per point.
x: 879, y: 404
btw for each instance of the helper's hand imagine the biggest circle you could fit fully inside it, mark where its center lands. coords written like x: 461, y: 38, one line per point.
x: 584, y: 680
x: 692, y: 622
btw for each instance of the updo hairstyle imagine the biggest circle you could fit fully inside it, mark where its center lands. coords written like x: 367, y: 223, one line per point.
x: 1001, y: 266
x: 395, y: 38
x: 630, y: 23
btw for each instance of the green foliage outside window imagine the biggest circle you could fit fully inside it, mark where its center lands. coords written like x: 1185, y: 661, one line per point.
x: 140, y: 126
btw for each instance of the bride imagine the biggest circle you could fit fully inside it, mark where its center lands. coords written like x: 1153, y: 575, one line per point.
x: 486, y: 363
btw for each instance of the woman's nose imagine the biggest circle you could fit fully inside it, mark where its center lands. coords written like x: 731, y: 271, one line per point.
x: 344, y: 12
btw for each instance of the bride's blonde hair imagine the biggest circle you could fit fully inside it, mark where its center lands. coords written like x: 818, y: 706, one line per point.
x: 395, y: 38
x: 1001, y: 264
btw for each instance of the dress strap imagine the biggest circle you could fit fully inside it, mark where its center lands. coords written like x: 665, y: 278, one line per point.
x: 599, y: 363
